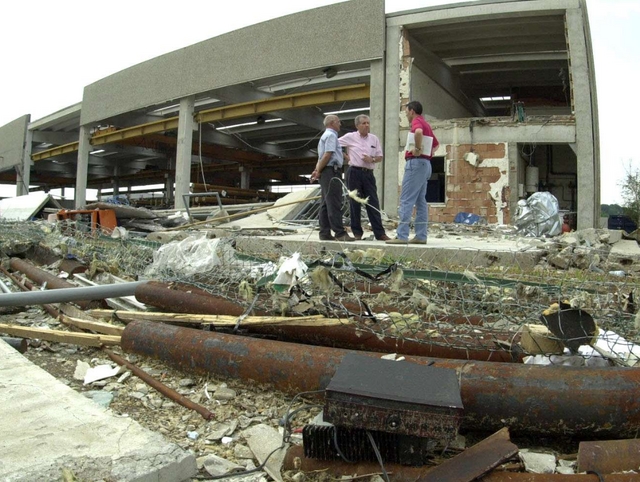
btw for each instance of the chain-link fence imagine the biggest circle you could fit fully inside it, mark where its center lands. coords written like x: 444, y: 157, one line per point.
x: 469, y: 303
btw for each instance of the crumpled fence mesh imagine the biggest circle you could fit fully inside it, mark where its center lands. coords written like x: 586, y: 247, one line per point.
x: 472, y: 301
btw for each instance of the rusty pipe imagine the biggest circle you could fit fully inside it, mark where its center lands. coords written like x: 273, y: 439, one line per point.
x: 160, y: 387
x: 351, y: 337
x: 295, y: 460
x: 589, y: 402
x: 187, y: 299
x: 607, y: 456
x: 52, y: 281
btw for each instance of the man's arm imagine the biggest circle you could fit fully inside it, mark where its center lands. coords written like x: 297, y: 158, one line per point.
x: 320, y: 165
x: 419, y: 137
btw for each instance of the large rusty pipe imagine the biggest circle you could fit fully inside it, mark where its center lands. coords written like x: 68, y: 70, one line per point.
x: 295, y: 460
x: 187, y: 299
x: 352, y: 338
x: 589, y: 402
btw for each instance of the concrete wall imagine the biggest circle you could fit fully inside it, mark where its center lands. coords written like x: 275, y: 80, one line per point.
x: 313, y: 39
x: 437, y: 102
x: 12, y: 138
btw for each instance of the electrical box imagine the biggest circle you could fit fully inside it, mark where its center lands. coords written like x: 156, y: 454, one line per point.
x: 395, y: 397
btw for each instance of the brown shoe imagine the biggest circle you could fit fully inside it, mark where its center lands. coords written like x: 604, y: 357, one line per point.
x: 417, y: 241
x: 357, y: 236
x: 327, y: 238
x: 344, y: 238
x: 384, y: 237
x: 397, y: 241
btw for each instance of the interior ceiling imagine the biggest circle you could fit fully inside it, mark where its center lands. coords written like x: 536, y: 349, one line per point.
x: 524, y: 58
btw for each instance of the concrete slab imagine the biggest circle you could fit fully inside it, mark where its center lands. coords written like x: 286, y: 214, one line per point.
x: 449, y: 250
x: 46, y: 426
x: 625, y: 248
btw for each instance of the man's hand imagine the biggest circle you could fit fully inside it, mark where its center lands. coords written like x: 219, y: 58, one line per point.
x: 315, y: 175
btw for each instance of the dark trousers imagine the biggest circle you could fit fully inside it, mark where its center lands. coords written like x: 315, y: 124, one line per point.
x: 365, y: 182
x: 330, y: 215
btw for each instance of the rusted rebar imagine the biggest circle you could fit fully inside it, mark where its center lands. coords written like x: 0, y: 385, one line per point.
x: 161, y: 387
x: 27, y: 286
x: 594, y: 402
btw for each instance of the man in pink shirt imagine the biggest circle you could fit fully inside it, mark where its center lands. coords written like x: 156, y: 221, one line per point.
x: 364, y: 152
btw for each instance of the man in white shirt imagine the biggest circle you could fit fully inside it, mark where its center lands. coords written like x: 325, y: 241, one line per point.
x: 364, y: 152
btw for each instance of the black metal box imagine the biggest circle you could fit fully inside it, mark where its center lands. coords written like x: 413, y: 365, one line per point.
x: 394, y: 396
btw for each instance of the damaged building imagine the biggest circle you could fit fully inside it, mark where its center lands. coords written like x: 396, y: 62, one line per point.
x: 508, y: 86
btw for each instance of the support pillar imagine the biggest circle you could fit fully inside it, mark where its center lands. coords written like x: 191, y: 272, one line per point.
x: 393, y: 57
x: 584, y: 106
x: 245, y: 177
x: 184, y: 150
x: 82, y: 169
x: 376, y: 116
x: 23, y: 173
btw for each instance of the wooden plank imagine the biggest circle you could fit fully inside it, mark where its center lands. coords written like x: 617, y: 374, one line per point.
x: 217, y: 320
x: 97, y: 326
x: 84, y: 339
x: 475, y: 461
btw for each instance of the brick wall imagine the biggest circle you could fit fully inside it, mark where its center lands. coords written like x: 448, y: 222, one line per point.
x: 472, y: 185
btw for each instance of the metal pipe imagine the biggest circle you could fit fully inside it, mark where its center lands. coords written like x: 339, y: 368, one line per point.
x: 161, y: 387
x: 28, y: 286
x: 19, y: 344
x: 4, y: 287
x: 594, y: 402
x: 53, y: 282
x: 71, y: 294
x: 351, y: 337
x: 607, y: 456
x: 187, y: 299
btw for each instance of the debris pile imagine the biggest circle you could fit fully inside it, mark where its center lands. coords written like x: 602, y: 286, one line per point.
x: 210, y: 319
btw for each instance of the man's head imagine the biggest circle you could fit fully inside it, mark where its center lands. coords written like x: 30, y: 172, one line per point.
x: 332, y: 122
x: 413, y: 109
x: 363, y: 124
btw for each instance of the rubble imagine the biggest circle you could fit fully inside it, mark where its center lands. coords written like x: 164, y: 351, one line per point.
x: 430, y: 305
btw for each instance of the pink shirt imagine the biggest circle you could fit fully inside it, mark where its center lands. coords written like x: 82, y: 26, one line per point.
x: 361, y: 146
x: 418, y: 122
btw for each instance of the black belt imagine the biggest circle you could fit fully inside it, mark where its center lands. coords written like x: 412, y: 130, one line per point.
x: 361, y: 168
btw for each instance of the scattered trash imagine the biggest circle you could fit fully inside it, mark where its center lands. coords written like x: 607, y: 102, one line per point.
x: 469, y: 218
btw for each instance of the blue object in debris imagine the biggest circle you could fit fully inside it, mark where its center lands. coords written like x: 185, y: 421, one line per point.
x: 468, y: 218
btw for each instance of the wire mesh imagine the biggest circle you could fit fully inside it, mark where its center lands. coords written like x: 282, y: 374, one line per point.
x: 469, y: 301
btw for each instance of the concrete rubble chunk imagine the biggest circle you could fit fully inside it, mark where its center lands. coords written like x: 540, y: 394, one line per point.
x: 53, y: 427
x: 538, y: 463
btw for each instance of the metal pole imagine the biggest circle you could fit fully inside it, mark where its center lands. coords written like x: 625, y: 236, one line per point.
x: 69, y: 294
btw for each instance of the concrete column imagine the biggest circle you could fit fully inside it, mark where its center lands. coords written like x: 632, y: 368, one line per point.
x: 245, y: 177
x: 115, y: 182
x: 23, y: 174
x: 514, y: 176
x: 376, y: 115
x: 183, y: 150
x: 168, y: 187
x: 587, y: 151
x: 391, y: 180
x: 82, y: 168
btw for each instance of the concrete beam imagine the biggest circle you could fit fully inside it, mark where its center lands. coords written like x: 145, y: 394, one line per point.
x: 391, y: 147
x: 546, y: 134
x: 82, y: 166
x: 53, y: 137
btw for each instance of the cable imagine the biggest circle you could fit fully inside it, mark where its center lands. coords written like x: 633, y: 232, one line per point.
x: 378, y: 456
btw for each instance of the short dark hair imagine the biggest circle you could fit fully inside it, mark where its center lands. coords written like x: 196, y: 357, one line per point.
x: 415, y: 106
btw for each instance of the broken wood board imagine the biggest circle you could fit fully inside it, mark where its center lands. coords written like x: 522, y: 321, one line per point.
x: 97, y: 326
x: 84, y: 339
x: 475, y: 461
x: 217, y: 320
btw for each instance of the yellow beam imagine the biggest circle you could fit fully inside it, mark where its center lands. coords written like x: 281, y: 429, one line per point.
x: 305, y: 99
x: 55, y: 151
x: 135, y: 131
